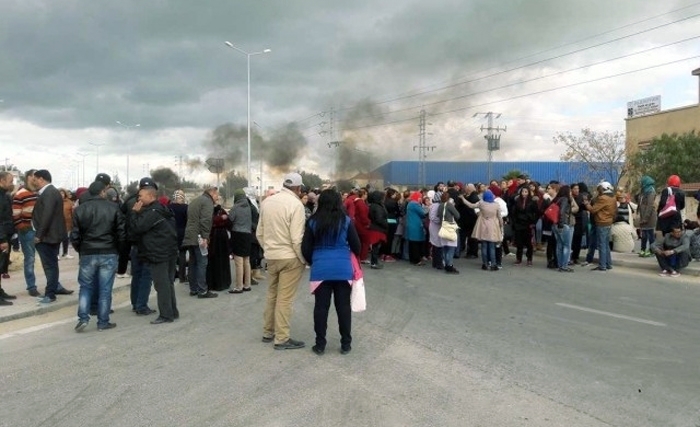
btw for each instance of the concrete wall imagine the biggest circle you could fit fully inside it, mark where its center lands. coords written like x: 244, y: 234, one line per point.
x: 645, y: 128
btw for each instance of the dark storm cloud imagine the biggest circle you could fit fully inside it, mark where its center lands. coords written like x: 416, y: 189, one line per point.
x: 82, y: 63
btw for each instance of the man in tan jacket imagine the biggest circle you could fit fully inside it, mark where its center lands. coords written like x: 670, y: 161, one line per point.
x: 280, y: 232
x: 603, y: 210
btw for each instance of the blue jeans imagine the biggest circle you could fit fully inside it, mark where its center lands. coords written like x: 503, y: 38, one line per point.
x: 564, y: 237
x: 488, y: 253
x: 96, y: 275
x: 538, y: 231
x: 48, y: 253
x: 603, y: 237
x: 26, y: 241
x: 197, y: 272
x: 647, y: 236
x: 140, y: 282
x: 448, y: 253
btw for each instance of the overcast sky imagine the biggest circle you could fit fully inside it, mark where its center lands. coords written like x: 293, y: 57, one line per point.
x: 71, y: 68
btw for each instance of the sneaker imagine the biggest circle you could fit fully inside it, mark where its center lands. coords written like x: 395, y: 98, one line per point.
x: 664, y: 273
x: 290, y: 344
x: 365, y: 261
x: 376, y: 266
x: 47, y: 300
x: 318, y: 350
x: 484, y: 267
x: 675, y: 274
x: 69, y: 256
x: 585, y: 263
x: 529, y: 263
x: 642, y: 254
x: 267, y: 339
x: 499, y: 266
x: 107, y: 326
x: 345, y: 350
x: 123, y: 276
x: 208, y: 294
x: 80, y: 326
x: 599, y: 269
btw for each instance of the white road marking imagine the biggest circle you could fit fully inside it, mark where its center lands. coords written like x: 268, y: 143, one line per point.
x: 48, y: 325
x: 615, y: 315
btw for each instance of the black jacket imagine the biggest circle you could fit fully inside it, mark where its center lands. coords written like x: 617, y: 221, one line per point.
x: 47, y: 216
x: 522, y: 216
x: 377, y: 212
x: 6, y: 227
x: 98, y: 227
x: 153, y: 229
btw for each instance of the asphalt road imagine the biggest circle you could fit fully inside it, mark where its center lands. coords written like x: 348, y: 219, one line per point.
x: 519, y: 347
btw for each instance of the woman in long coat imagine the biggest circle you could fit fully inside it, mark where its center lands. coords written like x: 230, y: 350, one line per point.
x: 219, y: 267
x: 488, y: 229
x: 415, y: 231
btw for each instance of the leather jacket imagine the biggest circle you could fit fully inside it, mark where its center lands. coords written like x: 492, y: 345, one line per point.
x: 98, y: 227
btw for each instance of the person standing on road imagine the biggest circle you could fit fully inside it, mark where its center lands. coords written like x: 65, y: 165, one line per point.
x: 50, y: 227
x: 6, y: 229
x: 152, y: 227
x: 200, y: 214
x: 22, y: 207
x: 603, y: 210
x: 241, y: 240
x: 647, y: 215
x: 329, y: 238
x: 280, y: 232
x: 98, y: 231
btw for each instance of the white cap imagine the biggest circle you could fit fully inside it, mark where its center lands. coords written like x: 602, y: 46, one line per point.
x: 292, y: 180
x: 606, y: 186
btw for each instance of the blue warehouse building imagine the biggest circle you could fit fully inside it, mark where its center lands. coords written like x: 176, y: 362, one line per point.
x: 406, y: 173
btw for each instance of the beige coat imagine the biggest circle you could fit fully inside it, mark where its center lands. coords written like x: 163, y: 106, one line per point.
x: 281, y: 226
x: 489, y: 224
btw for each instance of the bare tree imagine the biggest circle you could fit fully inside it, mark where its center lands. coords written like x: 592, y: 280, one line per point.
x: 603, y: 152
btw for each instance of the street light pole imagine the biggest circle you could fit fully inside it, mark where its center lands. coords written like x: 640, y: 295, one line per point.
x: 97, y: 146
x: 83, y: 155
x: 128, y: 147
x: 248, y: 55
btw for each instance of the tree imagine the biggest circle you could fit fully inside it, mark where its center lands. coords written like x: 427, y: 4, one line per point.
x: 512, y: 174
x: 167, y: 180
x: 234, y: 181
x: 603, y: 152
x: 668, y: 155
x: 311, y: 180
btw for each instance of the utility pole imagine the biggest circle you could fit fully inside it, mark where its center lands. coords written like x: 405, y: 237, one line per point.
x: 422, y: 148
x: 493, y: 138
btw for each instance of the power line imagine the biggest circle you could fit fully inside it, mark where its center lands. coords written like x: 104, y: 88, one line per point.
x: 531, y: 93
x: 561, y: 46
x: 476, y: 79
x: 520, y: 82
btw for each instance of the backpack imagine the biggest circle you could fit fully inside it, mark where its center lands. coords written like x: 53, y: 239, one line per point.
x: 552, y: 213
x: 670, y: 207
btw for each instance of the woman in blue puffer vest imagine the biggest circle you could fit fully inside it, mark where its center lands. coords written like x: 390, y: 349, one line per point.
x: 328, y: 241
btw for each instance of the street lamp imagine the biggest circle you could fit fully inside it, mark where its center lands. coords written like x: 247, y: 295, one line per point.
x: 97, y: 146
x: 248, y: 55
x: 128, y: 127
x: 83, y: 156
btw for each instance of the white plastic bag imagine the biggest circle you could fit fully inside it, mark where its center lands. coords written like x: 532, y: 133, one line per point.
x: 357, y: 296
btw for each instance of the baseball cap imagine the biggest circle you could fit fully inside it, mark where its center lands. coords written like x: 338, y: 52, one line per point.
x: 147, y: 182
x: 103, y: 178
x: 293, y: 180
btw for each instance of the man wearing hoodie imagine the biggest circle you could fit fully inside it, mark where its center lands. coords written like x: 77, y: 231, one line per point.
x: 603, y: 210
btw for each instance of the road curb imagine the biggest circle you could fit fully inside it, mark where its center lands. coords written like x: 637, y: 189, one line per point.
x: 43, y: 309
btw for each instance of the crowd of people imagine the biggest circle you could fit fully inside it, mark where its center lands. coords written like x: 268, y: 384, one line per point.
x: 167, y: 238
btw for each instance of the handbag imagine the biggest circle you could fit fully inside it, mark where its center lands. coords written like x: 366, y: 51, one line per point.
x: 448, y: 230
x: 357, y: 286
x: 552, y: 213
x: 670, y: 206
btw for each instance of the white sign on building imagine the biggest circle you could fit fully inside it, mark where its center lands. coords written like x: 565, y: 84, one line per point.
x: 642, y: 107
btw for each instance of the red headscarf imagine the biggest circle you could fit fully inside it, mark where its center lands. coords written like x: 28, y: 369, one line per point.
x: 416, y: 196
